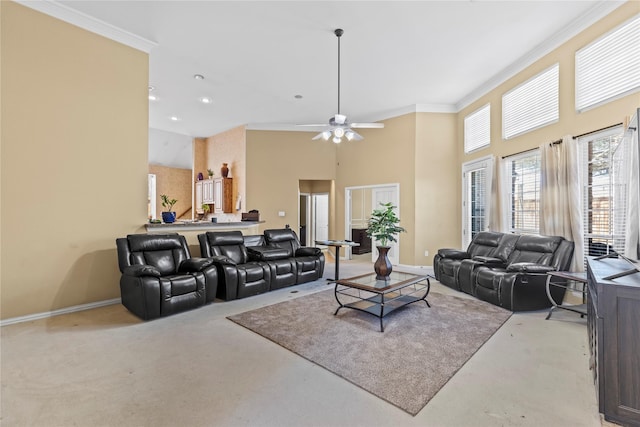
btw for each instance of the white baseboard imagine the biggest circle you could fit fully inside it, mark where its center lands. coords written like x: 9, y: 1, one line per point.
x: 66, y: 310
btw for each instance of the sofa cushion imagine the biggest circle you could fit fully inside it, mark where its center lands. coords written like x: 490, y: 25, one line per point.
x: 453, y: 253
x: 262, y: 253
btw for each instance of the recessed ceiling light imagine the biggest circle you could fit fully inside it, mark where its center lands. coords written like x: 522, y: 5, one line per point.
x: 298, y: 96
x: 175, y: 118
x: 206, y: 100
x: 153, y: 98
x: 151, y: 88
x: 198, y: 76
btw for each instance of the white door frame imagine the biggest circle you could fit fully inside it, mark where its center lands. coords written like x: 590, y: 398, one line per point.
x: 347, y: 213
x: 486, y: 163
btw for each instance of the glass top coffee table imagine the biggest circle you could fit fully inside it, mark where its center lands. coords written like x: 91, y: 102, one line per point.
x: 380, y: 297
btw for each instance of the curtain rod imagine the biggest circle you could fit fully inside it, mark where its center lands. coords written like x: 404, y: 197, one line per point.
x: 559, y: 141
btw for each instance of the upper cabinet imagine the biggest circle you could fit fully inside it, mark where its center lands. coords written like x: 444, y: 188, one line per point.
x: 223, y: 195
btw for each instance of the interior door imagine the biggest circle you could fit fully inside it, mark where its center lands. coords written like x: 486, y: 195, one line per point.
x: 320, y: 207
x: 387, y: 194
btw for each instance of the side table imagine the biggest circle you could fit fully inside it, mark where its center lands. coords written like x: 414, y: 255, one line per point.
x: 336, y: 244
x: 566, y: 277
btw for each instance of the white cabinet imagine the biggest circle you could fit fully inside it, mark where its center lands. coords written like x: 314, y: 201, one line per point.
x: 207, y: 191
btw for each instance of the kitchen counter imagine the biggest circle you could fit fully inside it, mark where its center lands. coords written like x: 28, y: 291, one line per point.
x: 202, y: 226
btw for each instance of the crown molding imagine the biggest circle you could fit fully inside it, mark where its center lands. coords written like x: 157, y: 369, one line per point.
x: 89, y: 23
x: 590, y: 17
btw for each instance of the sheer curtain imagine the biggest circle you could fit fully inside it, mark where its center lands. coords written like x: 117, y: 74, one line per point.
x: 560, y: 201
x: 631, y: 249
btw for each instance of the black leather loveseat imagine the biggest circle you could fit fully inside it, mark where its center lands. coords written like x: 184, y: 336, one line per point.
x: 160, y: 278
x: 507, y: 270
x: 253, y: 264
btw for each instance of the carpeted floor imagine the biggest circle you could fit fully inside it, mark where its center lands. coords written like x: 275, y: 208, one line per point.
x: 420, y: 350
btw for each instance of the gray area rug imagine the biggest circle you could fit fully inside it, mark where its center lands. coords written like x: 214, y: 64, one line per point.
x: 419, y: 351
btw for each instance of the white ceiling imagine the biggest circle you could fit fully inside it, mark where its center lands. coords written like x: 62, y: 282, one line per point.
x: 396, y: 56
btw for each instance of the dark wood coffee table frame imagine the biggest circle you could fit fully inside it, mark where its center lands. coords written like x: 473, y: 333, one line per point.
x: 381, y: 298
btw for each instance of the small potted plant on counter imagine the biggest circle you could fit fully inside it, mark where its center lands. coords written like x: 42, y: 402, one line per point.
x: 383, y: 227
x: 168, y: 216
x: 210, y: 173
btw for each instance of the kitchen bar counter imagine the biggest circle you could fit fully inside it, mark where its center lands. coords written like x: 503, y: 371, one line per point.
x: 201, y: 226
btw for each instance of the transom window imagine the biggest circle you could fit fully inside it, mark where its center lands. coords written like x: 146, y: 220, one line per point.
x: 609, y: 67
x: 477, y: 129
x: 531, y: 105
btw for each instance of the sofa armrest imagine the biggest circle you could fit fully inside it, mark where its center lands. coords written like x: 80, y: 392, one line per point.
x: 222, y: 260
x: 529, y: 267
x: 453, y: 254
x: 194, y: 265
x: 308, y: 251
x: 141, y: 271
x: 263, y: 253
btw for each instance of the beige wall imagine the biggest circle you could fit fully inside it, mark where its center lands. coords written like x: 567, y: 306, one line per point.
x: 229, y: 147
x: 74, y: 160
x: 385, y: 156
x: 276, y: 162
x: 570, y: 123
x: 437, y: 186
x: 176, y: 183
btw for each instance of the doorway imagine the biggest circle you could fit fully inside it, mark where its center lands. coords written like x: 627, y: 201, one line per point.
x: 359, y: 203
x: 313, y: 218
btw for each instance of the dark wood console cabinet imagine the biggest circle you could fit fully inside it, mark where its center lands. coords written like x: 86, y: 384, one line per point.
x: 359, y: 235
x: 613, y: 309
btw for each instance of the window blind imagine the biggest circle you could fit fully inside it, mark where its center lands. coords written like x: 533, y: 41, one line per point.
x: 525, y: 193
x: 609, y: 67
x: 532, y: 104
x: 477, y: 129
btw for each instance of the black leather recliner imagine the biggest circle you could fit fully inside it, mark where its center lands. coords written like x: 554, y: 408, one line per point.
x: 240, y: 277
x: 520, y: 284
x: 160, y: 278
x: 508, y: 270
x: 487, y: 244
x: 309, y: 261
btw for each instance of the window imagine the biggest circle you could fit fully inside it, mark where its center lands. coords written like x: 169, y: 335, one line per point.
x: 604, y: 191
x: 609, y: 67
x: 531, y: 105
x: 476, y: 178
x: 477, y: 129
x: 524, y: 194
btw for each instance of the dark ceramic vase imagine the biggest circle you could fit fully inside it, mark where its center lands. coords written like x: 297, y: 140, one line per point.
x: 382, y: 266
x: 169, y: 217
x: 224, y: 170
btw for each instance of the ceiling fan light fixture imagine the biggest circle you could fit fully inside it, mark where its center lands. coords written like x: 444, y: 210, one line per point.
x: 349, y: 134
x: 337, y: 139
x: 326, y: 135
x: 339, y: 132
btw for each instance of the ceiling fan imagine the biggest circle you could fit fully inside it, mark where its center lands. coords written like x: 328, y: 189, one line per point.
x: 339, y: 126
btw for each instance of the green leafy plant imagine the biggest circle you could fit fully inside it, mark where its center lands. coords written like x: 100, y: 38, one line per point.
x: 210, y: 172
x: 205, y: 208
x: 168, y: 203
x: 383, y: 224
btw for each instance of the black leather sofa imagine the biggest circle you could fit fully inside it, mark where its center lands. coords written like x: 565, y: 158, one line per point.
x: 253, y: 264
x: 160, y: 278
x: 507, y: 270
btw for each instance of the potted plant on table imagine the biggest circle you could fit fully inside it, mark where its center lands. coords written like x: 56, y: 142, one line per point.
x: 210, y: 173
x: 383, y: 227
x: 168, y: 216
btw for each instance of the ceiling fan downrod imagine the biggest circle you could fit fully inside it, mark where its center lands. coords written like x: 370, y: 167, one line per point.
x: 338, y: 32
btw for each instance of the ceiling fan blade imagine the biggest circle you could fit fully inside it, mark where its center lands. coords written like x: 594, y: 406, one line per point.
x: 367, y: 125
x: 314, y: 125
x: 318, y: 136
x: 357, y: 136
